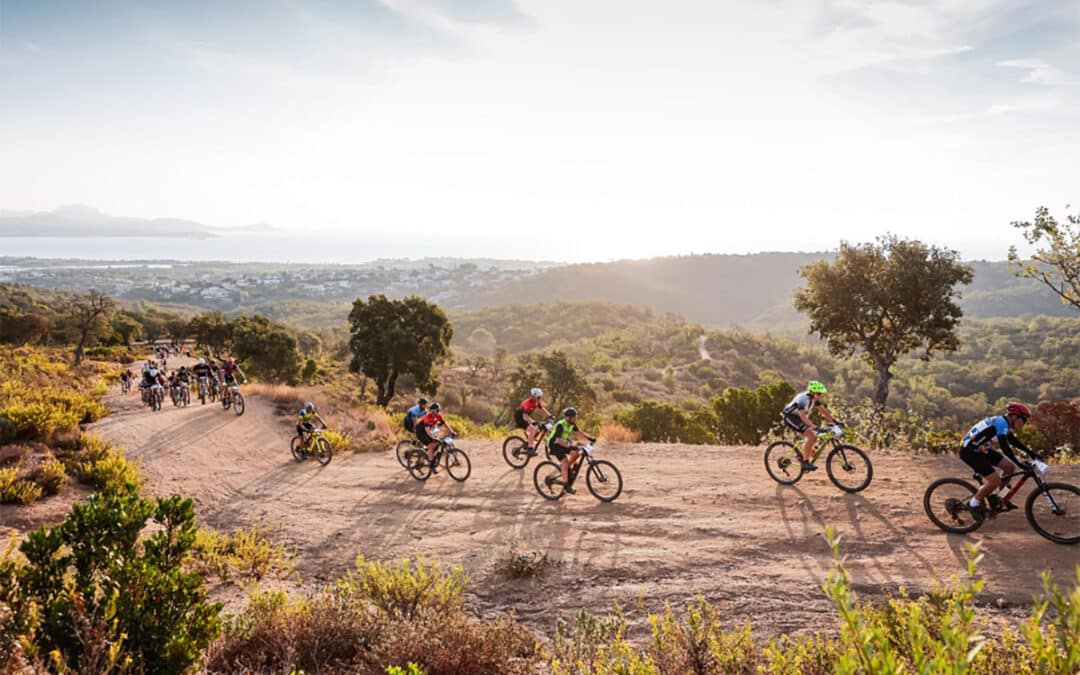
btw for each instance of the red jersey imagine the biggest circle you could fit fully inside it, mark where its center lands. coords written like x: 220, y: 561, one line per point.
x: 431, y: 419
x: 530, y: 404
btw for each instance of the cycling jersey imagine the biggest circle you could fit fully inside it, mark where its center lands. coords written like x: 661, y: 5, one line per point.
x: 981, y: 437
x: 563, y: 431
x: 306, y: 416
x: 430, y: 420
x: 530, y: 404
x: 411, y: 416
x: 202, y: 370
x: 802, y: 401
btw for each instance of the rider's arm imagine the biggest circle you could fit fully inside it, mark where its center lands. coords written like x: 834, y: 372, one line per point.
x: 321, y: 420
x: 1007, y: 441
x: 827, y: 413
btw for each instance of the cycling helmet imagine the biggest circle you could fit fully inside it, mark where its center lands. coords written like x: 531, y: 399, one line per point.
x: 435, y: 407
x: 422, y: 401
x: 815, y: 387
x: 230, y: 360
x: 183, y: 368
x: 202, y: 362
x: 570, y: 412
x: 1018, y: 409
x: 535, y: 392
x: 309, y: 406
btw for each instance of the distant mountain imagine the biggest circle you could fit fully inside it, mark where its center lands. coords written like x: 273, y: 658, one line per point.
x: 752, y: 290
x: 77, y: 220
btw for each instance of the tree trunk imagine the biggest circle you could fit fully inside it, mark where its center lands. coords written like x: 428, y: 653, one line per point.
x: 881, y: 389
x: 79, y: 349
x: 386, y: 390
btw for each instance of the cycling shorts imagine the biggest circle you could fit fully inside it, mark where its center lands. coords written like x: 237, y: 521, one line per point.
x: 793, y: 420
x: 305, y: 427
x: 423, y: 435
x: 229, y: 378
x: 984, y: 462
x: 560, y: 451
x: 519, y: 419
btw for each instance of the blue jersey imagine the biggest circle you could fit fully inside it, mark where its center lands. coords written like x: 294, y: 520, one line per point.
x: 411, y: 416
x: 983, y: 434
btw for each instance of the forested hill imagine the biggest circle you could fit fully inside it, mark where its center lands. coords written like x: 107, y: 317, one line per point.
x: 750, y: 290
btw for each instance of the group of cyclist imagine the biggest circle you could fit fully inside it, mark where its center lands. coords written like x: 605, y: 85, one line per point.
x: 977, y: 448
x: 218, y: 377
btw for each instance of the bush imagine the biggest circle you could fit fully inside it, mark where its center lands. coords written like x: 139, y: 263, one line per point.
x: 248, y: 554
x: 517, y: 565
x: 103, y: 467
x: 1056, y: 425
x: 617, y: 433
x: 943, y: 442
x: 50, y: 476
x: 16, y: 490
x: 664, y: 423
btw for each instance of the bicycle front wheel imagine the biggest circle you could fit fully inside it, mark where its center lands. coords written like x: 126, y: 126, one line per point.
x: 516, y: 451
x: 945, y: 502
x: 458, y: 465
x: 1054, y: 512
x: 322, y: 450
x: 849, y: 468
x: 238, y: 404
x: 402, y: 450
x: 604, y: 480
x: 544, y: 477
x: 783, y: 462
x: 417, y: 465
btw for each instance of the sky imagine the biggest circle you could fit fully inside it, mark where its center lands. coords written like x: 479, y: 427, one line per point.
x: 597, y: 129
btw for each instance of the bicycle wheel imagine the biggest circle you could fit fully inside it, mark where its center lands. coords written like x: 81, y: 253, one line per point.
x: 783, y: 462
x: 297, y: 449
x: 225, y: 402
x: 457, y: 464
x: 417, y: 465
x: 604, y: 480
x: 543, y: 477
x: 1054, y: 512
x: 945, y: 503
x: 322, y: 450
x: 187, y: 398
x: 402, y: 450
x: 849, y: 468
x: 516, y: 452
x: 238, y: 404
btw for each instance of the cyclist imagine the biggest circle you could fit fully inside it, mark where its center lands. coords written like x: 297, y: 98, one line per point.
x: 977, y: 450
x: 183, y: 377
x: 561, y: 443
x: 797, y: 416
x: 523, y: 416
x: 426, y: 429
x: 203, y: 370
x: 228, y: 376
x: 414, y: 413
x: 125, y: 378
x: 304, y: 422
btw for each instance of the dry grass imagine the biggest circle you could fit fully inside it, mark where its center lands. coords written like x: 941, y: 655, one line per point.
x: 617, y: 433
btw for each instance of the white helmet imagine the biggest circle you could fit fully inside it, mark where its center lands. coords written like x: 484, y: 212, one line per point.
x: 536, y: 393
x: 202, y: 362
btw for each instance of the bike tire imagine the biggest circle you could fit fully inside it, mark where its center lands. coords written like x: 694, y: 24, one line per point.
x: 402, y: 450
x: 187, y: 398
x: 604, y: 480
x: 238, y: 404
x: 846, y: 459
x: 323, y: 451
x: 297, y: 449
x: 225, y: 403
x: 457, y: 464
x: 951, y: 516
x: 547, y: 490
x: 783, y: 462
x: 417, y: 465
x: 516, y: 451
x: 1043, y: 519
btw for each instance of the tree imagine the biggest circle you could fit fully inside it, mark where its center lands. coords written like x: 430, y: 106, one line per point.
x: 1058, y: 264
x: 481, y: 341
x: 390, y: 338
x: 177, y: 326
x: 127, y: 327
x: 90, y: 313
x: 885, y: 300
x: 265, y: 349
x: 562, y: 381
x: 211, y: 330
x: 23, y: 329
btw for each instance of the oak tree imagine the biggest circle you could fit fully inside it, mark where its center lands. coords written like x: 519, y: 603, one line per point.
x: 1057, y: 264
x: 89, y: 314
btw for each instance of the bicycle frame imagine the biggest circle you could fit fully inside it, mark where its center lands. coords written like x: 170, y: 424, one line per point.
x: 1024, y: 474
x: 584, y: 456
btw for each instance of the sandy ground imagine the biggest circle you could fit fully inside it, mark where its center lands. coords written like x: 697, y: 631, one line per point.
x: 691, y: 520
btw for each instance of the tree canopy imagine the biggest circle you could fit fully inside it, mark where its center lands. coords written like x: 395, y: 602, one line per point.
x: 884, y: 300
x: 1057, y: 263
x: 390, y: 338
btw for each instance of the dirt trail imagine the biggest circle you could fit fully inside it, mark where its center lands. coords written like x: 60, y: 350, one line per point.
x: 691, y: 519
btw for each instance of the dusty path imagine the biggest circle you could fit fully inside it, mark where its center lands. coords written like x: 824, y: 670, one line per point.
x: 690, y: 520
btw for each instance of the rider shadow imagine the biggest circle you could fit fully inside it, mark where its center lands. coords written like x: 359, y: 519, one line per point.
x: 856, y: 503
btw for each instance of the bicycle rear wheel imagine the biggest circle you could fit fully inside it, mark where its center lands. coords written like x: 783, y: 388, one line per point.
x: 297, y: 449
x: 849, y: 468
x: 516, y: 451
x: 402, y: 450
x: 945, y: 503
x: 544, y: 476
x: 457, y: 464
x: 417, y: 465
x: 604, y: 480
x: 783, y: 462
x: 322, y: 450
x: 1054, y: 512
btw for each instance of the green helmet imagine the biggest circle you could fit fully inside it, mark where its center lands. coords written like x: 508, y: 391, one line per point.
x: 815, y: 387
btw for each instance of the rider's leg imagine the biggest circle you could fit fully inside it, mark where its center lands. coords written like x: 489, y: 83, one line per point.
x: 808, y: 446
x: 530, y: 434
x: 993, y: 481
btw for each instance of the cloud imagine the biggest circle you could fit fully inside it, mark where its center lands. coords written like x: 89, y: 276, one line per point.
x: 1041, y: 72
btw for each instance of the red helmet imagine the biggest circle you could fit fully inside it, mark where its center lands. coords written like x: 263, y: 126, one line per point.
x: 1018, y: 409
x: 230, y: 360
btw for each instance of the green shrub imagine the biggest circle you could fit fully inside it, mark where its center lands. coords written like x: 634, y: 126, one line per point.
x: 943, y: 442
x: 405, y: 588
x: 664, y: 423
x: 517, y: 565
x: 248, y: 554
x: 51, y: 476
x: 15, y: 490
x: 100, y: 465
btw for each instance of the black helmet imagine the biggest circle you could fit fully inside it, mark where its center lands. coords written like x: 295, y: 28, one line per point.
x: 435, y: 407
x: 422, y: 401
x: 570, y: 412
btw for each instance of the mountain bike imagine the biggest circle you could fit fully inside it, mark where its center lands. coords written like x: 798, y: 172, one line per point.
x: 454, y: 459
x: 315, y: 445
x: 231, y: 396
x: 180, y: 394
x: 403, y: 448
x: 1052, y: 509
x: 125, y: 385
x: 185, y: 394
x: 849, y: 467
x: 602, y: 477
x: 157, y: 396
x: 204, y: 387
x: 516, y: 450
